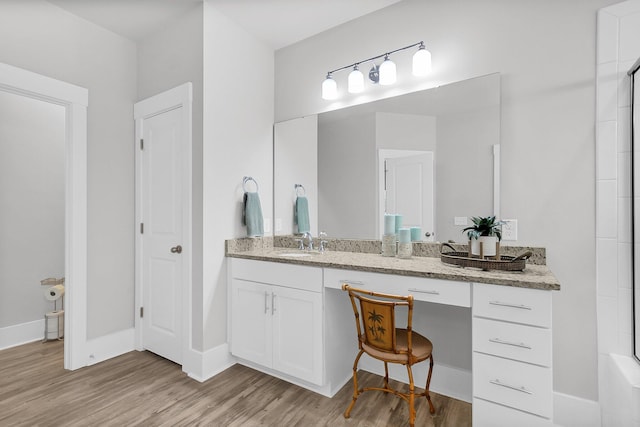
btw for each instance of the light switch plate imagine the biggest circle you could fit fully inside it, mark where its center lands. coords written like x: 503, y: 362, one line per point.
x: 267, y: 225
x: 510, y: 229
x: 278, y: 224
x: 459, y: 220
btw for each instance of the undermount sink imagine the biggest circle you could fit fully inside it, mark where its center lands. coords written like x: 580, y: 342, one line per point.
x: 296, y: 254
x: 300, y: 254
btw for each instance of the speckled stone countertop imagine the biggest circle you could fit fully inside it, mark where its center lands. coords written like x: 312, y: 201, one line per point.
x: 533, y: 276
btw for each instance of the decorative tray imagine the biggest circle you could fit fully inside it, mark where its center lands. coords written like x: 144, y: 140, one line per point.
x: 505, y: 262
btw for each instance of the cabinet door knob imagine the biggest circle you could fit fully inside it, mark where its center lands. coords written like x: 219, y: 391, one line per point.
x: 176, y: 249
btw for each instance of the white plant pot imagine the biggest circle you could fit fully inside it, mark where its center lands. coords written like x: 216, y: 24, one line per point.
x: 488, y: 245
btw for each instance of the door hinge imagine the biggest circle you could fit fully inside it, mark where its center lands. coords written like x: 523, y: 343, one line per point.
x: 141, y: 144
x: 142, y: 228
x: 141, y: 311
x: 385, y: 175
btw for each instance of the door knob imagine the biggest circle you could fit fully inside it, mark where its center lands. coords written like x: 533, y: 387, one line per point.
x: 427, y: 234
x: 176, y: 249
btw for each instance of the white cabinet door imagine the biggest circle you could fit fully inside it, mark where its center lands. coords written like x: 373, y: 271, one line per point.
x: 251, y: 321
x: 297, y: 333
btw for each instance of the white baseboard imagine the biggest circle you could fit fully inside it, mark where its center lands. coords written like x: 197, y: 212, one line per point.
x: 109, y: 346
x: 202, y: 366
x: 572, y: 411
x: 23, y: 333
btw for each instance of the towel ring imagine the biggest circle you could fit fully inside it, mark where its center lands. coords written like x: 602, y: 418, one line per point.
x: 297, y: 187
x: 244, y: 183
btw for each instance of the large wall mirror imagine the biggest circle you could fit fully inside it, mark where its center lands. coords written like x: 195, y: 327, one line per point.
x: 635, y: 161
x: 432, y: 156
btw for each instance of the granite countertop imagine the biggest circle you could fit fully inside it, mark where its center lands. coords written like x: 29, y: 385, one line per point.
x: 533, y: 276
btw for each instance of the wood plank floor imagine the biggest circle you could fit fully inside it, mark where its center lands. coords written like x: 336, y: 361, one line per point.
x: 142, y: 389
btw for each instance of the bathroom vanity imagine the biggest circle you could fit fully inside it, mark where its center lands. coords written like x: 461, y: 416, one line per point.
x: 288, y: 317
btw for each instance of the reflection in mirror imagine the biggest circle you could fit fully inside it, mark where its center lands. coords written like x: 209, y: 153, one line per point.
x: 452, y: 129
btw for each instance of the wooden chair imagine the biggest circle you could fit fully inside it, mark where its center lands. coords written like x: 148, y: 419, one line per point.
x: 379, y: 338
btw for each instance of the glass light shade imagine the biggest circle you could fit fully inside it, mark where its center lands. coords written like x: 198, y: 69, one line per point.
x: 421, y: 62
x: 387, y: 72
x: 329, y: 88
x: 356, y: 81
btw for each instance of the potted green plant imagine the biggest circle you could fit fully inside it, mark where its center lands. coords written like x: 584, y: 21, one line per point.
x: 486, y: 231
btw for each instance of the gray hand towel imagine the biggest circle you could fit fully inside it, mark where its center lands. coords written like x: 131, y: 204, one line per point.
x: 252, y: 215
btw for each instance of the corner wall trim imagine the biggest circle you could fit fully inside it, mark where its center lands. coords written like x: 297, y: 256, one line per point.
x: 109, y: 346
x: 573, y: 411
x: 202, y: 366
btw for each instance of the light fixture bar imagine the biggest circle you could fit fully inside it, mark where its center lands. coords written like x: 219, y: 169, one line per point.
x: 376, y: 57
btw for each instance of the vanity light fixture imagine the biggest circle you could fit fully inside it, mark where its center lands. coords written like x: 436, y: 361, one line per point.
x: 385, y: 73
x: 421, y: 61
x: 356, y: 80
x: 329, y: 88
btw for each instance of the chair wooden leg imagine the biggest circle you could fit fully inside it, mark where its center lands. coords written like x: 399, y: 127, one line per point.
x: 386, y: 375
x: 432, y: 410
x: 412, y: 395
x: 356, y: 392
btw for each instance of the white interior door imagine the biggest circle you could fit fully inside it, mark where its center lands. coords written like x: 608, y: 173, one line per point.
x: 409, y: 190
x: 162, y: 233
x: 163, y: 215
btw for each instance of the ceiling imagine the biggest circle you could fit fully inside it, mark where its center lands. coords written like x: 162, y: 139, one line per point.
x: 277, y: 22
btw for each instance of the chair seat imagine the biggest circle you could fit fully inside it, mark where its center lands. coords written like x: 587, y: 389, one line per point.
x: 422, y: 348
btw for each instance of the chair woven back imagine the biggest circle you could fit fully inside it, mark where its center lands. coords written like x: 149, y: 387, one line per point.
x: 376, y: 318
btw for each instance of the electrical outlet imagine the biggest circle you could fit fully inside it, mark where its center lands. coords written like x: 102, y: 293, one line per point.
x: 459, y: 220
x: 267, y: 225
x: 510, y: 229
x: 278, y: 224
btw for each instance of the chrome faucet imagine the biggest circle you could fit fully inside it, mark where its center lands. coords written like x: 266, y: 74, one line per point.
x: 307, y: 241
x: 323, y: 242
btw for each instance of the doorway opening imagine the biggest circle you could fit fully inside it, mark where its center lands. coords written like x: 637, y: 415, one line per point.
x: 74, y: 100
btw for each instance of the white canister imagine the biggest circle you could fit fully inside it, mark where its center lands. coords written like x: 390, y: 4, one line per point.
x: 489, y: 244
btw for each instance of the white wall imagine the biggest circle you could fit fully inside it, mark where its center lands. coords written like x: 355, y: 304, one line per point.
x: 166, y: 59
x: 618, y: 49
x: 42, y: 38
x: 545, y: 52
x: 32, y: 170
x: 237, y: 142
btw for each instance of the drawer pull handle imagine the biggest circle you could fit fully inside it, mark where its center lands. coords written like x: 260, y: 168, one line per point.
x: 352, y: 282
x: 273, y: 303
x: 506, y: 304
x: 266, y: 302
x: 515, y: 344
x: 511, y: 387
x: 420, y: 291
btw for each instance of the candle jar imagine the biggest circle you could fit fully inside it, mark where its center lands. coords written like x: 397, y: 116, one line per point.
x: 405, y: 250
x: 389, y: 245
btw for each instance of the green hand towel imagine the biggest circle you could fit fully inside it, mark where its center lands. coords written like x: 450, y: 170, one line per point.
x: 252, y: 215
x: 302, y: 214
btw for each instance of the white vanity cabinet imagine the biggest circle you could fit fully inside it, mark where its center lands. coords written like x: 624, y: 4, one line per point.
x: 512, y: 355
x: 276, y: 317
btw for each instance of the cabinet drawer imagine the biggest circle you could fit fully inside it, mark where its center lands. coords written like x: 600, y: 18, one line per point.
x: 280, y: 274
x: 515, y: 384
x: 520, y: 305
x: 520, y: 342
x: 487, y: 414
x: 448, y: 292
